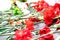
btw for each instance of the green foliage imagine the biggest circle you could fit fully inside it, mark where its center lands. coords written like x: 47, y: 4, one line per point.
x: 17, y: 11
x: 1, y: 30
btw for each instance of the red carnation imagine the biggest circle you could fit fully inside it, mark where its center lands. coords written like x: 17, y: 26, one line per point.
x: 23, y: 35
x: 29, y: 24
x: 49, y: 37
x: 45, y: 30
x: 40, y: 5
x: 49, y: 15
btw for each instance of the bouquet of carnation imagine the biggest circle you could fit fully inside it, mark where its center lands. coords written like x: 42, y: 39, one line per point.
x: 41, y: 21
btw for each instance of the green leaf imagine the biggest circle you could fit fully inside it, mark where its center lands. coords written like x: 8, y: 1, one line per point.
x: 17, y: 11
x: 2, y: 29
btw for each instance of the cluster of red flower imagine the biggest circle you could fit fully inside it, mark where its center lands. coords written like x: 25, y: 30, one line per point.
x: 50, y: 11
x: 30, y: 22
x: 23, y: 35
x: 49, y: 14
x: 40, y: 5
x: 26, y: 33
x: 45, y: 30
